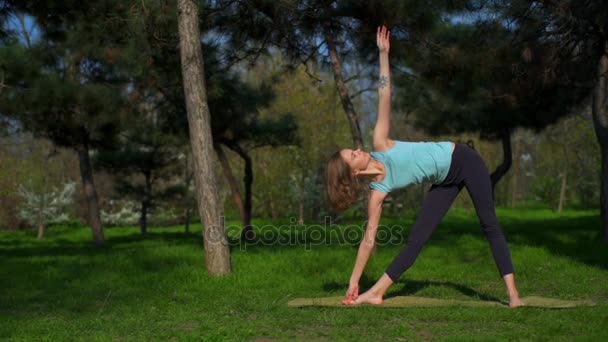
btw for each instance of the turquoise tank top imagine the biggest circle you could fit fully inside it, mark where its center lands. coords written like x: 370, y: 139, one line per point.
x: 408, y: 163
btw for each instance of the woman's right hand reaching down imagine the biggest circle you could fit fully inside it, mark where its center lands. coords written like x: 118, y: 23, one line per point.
x: 382, y: 39
x: 351, y: 294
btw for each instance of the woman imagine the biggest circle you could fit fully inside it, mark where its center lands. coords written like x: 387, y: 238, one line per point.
x: 396, y: 164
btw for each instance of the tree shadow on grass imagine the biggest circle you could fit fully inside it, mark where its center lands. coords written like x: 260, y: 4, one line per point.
x: 577, y: 238
x: 60, y: 246
x: 43, y: 286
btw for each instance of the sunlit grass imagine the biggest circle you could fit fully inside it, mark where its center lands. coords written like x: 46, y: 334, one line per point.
x: 157, y: 288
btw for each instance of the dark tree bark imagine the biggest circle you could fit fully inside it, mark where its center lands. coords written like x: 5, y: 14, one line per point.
x: 247, y: 233
x: 562, y: 192
x: 234, y: 186
x: 88, y: 183
x: 600, y: 122
x: 507, y: 160
x: 187, y: 217
x: 145, y: 204
x: 515, y: 173
x: 347, y: 104
x: 217, y: 252
x: 187, y: 179
x: 301, y: 212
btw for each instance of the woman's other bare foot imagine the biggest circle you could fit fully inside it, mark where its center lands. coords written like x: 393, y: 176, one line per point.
x: 514, y: 301
x: 366, y: 298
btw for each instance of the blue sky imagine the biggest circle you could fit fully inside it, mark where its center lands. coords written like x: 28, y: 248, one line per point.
x: 15, y: 25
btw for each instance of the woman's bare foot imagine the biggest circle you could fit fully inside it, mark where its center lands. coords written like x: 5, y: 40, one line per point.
x: 367, y: 298
x: 514, y: 301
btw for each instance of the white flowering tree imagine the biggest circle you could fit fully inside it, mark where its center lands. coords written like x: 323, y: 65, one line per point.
x: 41, y: 208
x: 120, y: 213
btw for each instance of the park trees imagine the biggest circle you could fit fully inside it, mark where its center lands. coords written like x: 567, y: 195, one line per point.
x: 237, y: 125
x: 145, y: 160
x: 491, y: 78
x: 308, y: 33
x: 233, y: 104
x: 64, y: 86
x: 290, y: 177
x: 582, y: 27
x: 44, y: 206
x: 566, y: 163
x: 517, y: 64
x: 36, y: 188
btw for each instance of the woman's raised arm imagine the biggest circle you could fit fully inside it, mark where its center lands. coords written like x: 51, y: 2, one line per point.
x: 383, y: 120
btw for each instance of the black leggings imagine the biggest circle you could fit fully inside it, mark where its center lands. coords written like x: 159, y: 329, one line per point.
x: 468, y: 170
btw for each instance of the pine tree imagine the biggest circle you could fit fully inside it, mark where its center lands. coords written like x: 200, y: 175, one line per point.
x: 67, y: 86
x: 493, y: 75
x: 145, y: 157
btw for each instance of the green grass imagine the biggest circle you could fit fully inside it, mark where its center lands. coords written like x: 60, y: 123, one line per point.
x: 157, y: 288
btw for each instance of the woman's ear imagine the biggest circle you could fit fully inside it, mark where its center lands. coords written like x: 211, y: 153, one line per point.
x: 356, y: 172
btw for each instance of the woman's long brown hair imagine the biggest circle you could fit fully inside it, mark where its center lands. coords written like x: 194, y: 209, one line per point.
x: 343, y: 187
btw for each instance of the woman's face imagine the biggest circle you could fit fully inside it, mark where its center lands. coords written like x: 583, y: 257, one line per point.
x: 356, y: 159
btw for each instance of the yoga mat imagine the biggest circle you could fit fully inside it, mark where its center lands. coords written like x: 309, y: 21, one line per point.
x: 424, y: 302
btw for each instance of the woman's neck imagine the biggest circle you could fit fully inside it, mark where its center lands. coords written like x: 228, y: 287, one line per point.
x: 375, y: 171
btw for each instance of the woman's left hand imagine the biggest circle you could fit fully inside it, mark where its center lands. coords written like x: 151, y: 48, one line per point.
x: 382, y: 39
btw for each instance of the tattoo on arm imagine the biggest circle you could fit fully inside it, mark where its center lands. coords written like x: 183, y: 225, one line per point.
x: 383, y: 82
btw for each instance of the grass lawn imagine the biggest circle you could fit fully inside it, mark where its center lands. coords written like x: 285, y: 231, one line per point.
x: 157, y: 288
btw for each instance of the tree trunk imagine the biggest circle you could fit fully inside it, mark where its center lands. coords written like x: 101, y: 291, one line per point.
x: 187, y: 179
x: 40, y: 230
x: 88, y: 183
x: 502, y: 169
x: 234, y: 186
x: 145, y: 205
x: 247, y: 232
x: 301, y: 207
x: 274, y: 214
x: 516, y: 171
x: 187, y: 227
x: 347, y: 104
x: 217, y: 252
x: 562, y: 192
x: 600, y: 122
x: 41, y: 217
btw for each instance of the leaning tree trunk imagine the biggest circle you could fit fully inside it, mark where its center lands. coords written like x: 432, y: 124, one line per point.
x: 502, y: 169
x: 145, y: 204
x: 234, y: 186
x: 86, y: 173
x: 347, y: 104
x: 247, y: 232
x: 217, y: 252
x: 600, y: 121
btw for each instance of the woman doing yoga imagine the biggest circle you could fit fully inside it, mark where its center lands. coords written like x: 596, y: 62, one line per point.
x: 397, y: 164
